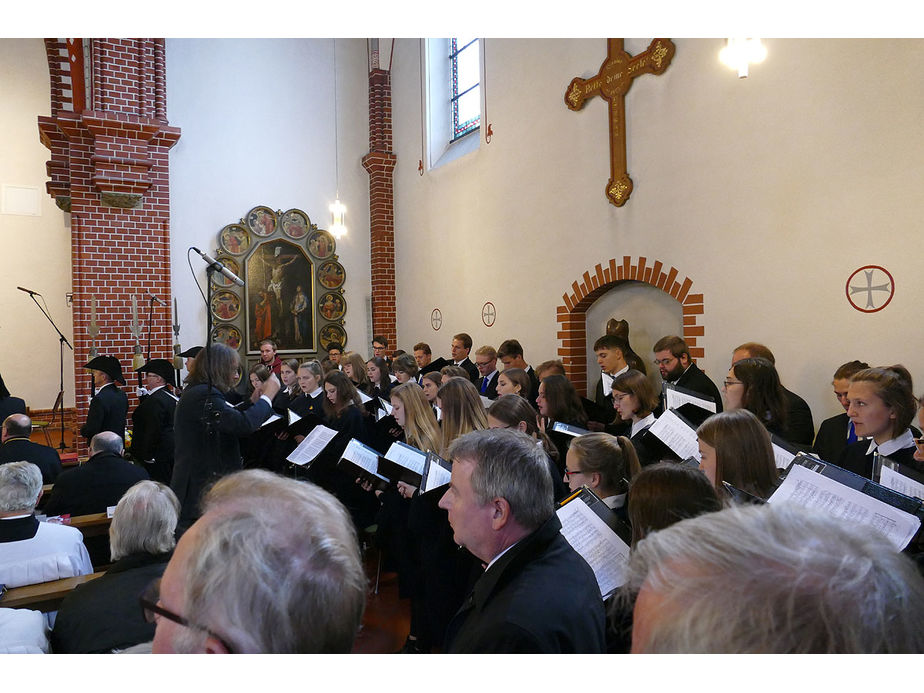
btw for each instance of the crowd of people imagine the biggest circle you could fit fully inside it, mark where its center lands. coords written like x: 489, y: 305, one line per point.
x: 233, y: 548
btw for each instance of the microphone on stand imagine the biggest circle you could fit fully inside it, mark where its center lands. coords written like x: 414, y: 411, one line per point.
x: 158, y: 300
x: 36, y: 293
x: 220, y: 267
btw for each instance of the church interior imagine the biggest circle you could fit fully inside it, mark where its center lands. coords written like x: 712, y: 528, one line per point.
x: 776, y: 208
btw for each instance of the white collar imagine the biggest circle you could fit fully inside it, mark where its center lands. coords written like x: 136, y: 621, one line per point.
x: 97, y: 390
x: 615, y: 502
x: 494, y: 560
x: 642, y: 424
x: 316, y: 392
x: 905, y: 440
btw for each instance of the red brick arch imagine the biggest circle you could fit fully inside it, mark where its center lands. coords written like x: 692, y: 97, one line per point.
x: 572, y: 316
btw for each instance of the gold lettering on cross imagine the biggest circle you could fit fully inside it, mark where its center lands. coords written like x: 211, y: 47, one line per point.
x: 611, y: 83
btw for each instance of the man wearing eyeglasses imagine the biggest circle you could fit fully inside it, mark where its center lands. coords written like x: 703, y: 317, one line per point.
x: 672, y: 357
x: 486, y: 363
x: 272, y: 566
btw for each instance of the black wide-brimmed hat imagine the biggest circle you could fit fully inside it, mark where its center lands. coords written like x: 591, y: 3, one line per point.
x: 109, y: 365
x: 191, y: 352
x: 161, y: 367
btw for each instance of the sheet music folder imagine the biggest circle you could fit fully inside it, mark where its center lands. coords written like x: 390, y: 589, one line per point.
x: 675, y: 397
x: 587, y: 524
x: 358, y: 460
x: 407, y: 466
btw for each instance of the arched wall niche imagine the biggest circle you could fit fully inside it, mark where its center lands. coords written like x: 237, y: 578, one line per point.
x: 593, y: 284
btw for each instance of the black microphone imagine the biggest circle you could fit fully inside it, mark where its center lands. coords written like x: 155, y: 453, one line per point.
x: 220, y: 267
x: 158, y: 300
x: 36, y: 293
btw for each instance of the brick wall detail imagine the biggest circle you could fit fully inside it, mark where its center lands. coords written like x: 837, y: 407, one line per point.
x: 572, y: 315
x: 380, y: 164
x: 109, y: 169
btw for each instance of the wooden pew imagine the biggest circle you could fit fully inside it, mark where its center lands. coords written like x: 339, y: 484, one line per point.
x: 93, y: 525
x: 45, y: 596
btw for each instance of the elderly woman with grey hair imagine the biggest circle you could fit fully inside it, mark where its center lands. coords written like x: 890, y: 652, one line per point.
x: 103, y: 615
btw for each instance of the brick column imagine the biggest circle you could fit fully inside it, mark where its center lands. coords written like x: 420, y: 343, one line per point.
x: 380, y: 163
x: 109, y: 168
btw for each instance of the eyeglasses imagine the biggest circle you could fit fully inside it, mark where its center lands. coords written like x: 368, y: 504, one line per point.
x: 151, y: 609
x: 729, y: 383
x: 664, y: 362
x: 483, y: 365
x: 570, y: 473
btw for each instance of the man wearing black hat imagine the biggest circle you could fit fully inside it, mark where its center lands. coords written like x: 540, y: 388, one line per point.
x: 152, y: 421
x: 109, y: 406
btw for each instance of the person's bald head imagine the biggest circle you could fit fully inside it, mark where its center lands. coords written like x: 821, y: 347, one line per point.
x: 107, y: 441
x: 16, y: 426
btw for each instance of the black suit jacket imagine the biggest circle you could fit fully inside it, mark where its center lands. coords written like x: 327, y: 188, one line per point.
x: 694, y: 379
x: 800, y: 429
x: 539, y: 597
x: 42, y: 456
x: 470, y: 368
x: 93, y: 486
x: 103, y: 614
x: 11, y: 405
x: 831, y: 440
x: 435, y: 365
x: 534, y: 386
x: 206, y: 432
x: 152, y: 432
x: 108, y: 411
x: 854, y: 459
x: 491, y: 392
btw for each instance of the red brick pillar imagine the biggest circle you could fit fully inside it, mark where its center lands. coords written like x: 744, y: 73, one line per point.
x: 109, y: 169
x: 380, y: 163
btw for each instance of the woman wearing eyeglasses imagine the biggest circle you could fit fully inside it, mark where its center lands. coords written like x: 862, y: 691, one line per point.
x: 754, y: 384
x: 605, y: 464
x: 635, y: 398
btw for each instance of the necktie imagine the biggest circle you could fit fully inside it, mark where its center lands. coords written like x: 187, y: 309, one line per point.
x: 484, y: 384
x: 851, y: 433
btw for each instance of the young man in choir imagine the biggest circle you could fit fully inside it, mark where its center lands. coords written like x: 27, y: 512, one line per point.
x: 672, y: 358
x: 334, y: 353
x: 798, y: 415
x: 379, y: 345
x: 424, y: 357
x: 217, y: 595
x: 486, y: 363
x: 537, y: 594
x: 610, y: 351
x: 460, y: 347
x: 814, y: 583
x: 510, y: 354
x: 836, y: 433
x: 268, y: 356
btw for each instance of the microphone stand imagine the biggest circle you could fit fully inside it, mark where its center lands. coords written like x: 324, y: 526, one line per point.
x: 62, y: 340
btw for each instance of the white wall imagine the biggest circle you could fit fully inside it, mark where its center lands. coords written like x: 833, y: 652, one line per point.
x: 767, y: 192
x: 257, y: 120
x: 36, y: 249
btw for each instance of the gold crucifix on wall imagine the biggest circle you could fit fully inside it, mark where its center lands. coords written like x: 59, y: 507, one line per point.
x: 612, y: 82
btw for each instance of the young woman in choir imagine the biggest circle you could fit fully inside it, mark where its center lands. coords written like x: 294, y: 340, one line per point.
x: 288, y: 373
x: 605, y: 464
x: 735, y: 448
x: 378, y: 372
x: 513, y: 381
x: 431, y: 383
x: 881, y: 406
x: 558, y: 401
x: 512, y: 411
x: 447, y: 372
x: 355, y: 369
x: 754, y: 384
x: 311, y: 394
x: 446, y: 573
x: 405, y: 368
x: 635, y: 398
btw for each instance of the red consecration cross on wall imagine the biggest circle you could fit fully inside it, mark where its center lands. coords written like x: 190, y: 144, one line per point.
x: 612, y: 82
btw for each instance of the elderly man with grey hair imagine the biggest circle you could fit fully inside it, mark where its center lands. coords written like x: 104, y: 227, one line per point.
x: 537, y: 594
x: 271, y: 566
x: 33, y: 551
x: 103, y: 615
x: 773, y: 579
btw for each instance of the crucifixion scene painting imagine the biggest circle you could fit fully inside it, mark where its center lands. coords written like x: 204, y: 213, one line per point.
x: 280, y: 297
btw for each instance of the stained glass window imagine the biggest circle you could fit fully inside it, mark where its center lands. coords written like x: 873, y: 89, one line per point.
x: 465, y: 73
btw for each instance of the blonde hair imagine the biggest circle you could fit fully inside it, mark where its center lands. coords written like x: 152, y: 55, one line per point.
x: 420, y: 427
x: 462, y: 410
